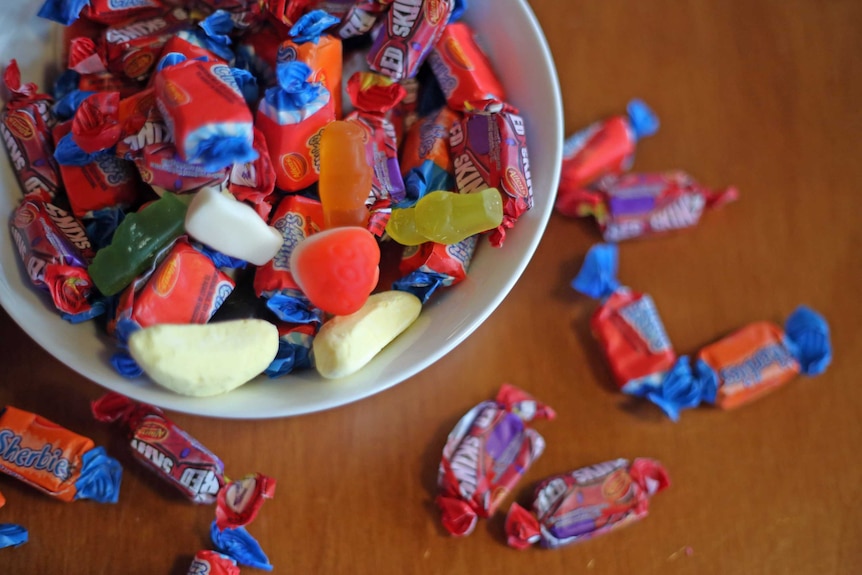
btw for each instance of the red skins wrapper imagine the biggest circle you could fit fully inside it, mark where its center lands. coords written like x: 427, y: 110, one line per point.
x: 55, y: 460
x: 239, y: 501
x: 105, y: 182
x: 296, y: 217
x: 638, y: 205
x: 463, y: 71
x: 113, y: 11
x: 574, y: 506
x: 185, y: 287
x: 406, y: 34
x: 212, y: 563
x: 254, y: 182
x: 55, y: 252
x: 26, y: 123
x: 164, y: 448
x: 150, y: 146
x: 485, y: 456
x: 361, y: 17
x: 489, y: 150
x: 450, y: 261
x: 373, y: 96
x: 207, y: 115
x: 132, y: 48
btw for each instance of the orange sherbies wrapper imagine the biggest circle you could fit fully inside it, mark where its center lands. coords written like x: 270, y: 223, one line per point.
x: 55, y: 460
x: 322, y: 52
x: 462, y: 69
x: 762, y: 357
x: 292, y: 116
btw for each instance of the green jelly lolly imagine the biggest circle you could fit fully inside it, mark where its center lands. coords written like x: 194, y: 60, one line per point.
x: 137, y: 241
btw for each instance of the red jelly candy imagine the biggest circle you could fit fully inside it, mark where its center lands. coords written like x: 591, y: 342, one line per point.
x: 337, y: 269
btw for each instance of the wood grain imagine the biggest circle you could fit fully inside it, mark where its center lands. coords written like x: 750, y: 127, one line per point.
x: 758, y: 93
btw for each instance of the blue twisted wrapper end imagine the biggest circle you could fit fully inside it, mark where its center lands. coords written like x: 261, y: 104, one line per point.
x: 97, y: 308
x: 125, y: 365
x: 642, y: 119
x: 598, y: 276
x: 291, y: 356
x: 425, y: 178
x: 294, y: 91
x: 219, y: 152
x: 682, y: 388
x: 100, y: 227
x: 240, y: 546
x: 293, y: 308
x: 458, y: 9
x: 100, y: 477
x: 12, y: 535
x: 808, y: 335
x: 247, y: 84
x: 421, y: 284
x: 219, y: 259
x: 63, y: 11
x: 66, y: 82
x: 217, y: 26
x: 65, y: 107
x: 311, y: 25
x: 68, y: 153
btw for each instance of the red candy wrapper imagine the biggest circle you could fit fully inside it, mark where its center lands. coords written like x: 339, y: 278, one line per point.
x: 489, y: 150
x: 212, y: 563
x: 107, y: 181
x: 430, y: 266
x: 185, y: 287
x: 626, y: 325
x: 239, y: 501
x: 373, y: 96
x: 55, y: 460
x: 113, y: 11
x: 55, y: 252
x: 26, y: 123
x: 463, y: 71
x: 164, y: 448
x: 574, y: 506
x: 254, y: 182
x: 638, y: 205
x: 604, y: 148
x: 405, y: 113
x: 485, y: 456
x: 132, y: 48
x: 406, y: 34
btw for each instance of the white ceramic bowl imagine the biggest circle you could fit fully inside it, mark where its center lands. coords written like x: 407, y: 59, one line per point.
x: 527, y: 71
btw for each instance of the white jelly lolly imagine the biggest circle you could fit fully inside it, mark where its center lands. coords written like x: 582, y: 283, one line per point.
x: 231, y: 227
x: 347, y: 342
x: 205, y: 359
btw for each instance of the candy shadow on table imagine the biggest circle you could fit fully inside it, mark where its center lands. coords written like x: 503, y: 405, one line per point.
x: 431, y: 464
x: 53, y: 402
x: 181, y: 565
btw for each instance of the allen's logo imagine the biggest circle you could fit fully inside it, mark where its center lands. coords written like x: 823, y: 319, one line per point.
x: 294, y: 165
x: 20, y: 125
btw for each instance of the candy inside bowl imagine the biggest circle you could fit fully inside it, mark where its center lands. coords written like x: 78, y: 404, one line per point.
x: 526, y: 70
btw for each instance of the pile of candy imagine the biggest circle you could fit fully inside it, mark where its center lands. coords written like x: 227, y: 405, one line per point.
x: 198, y: 176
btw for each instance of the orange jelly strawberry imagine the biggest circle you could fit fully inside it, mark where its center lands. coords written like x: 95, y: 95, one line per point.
x: 337, y: 269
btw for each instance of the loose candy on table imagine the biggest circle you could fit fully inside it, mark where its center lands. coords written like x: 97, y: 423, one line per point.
x: 12, y: 535
x: 760, y: 357
x: 291, y: 116
x: 231, y: 227
x: 346, y: 343
x: 205, y: 360
x: 238, y: 544
x: 345, y: 175
x: 136, y: 243
x: 55, y: 460
x: 604, y: 148
x: 489, y: 150
x: 627, y: 325
x: 212, y: 563
x: 337, y: 269
x: 25, y: 124
x: 638, y: 205
x: 239, y: 501
x: 485, y: 456
x: 446, y: 217
x: 214, y: 135
x: 407, y: 33
x: 463, y: 70
x: 575, y: 506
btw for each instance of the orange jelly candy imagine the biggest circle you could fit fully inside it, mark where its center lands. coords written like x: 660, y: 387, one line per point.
x: 337, y: 269
x: 345, y: 176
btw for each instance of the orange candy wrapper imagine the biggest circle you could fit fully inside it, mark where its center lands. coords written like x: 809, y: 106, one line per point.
x: 55, y: 460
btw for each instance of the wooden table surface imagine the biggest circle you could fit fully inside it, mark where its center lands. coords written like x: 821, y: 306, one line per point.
x: 761, y: 94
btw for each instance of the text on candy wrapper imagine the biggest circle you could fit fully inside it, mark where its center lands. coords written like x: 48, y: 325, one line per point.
x: 750, y: 370
x: 404, y: 15
x: 45, y: 459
